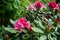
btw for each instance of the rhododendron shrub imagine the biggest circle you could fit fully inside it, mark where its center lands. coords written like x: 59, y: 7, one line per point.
x: 47, y: 19
x: 37, y: 5
x: 42, y: 22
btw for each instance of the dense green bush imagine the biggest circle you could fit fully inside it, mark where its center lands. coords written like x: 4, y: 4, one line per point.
x: 8, y: 8
x: 44, y: 23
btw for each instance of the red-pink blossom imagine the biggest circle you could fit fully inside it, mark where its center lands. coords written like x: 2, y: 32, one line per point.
x: 39, y: 5
x: 31, y: 7
x: 20, y: 24
x: 53, y: 5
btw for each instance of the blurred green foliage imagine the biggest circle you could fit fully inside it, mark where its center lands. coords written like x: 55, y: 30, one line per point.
x: 8, y: 9
x: 14, y: 9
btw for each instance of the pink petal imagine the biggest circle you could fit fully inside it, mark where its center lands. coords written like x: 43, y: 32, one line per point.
x: 57, y: 7
x: 30, y: 7
x: 37, y: 4
x: 27, y: 26
x: 15, y: 25
x: 53, y: 5
x: 21, y: 29
x: 42, y: 7
x: 22, y: 20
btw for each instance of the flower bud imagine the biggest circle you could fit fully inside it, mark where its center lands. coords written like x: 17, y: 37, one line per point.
x: 48, y: 29
x: 6, y: 36
x: 56, y: 21
x: 30, y: 31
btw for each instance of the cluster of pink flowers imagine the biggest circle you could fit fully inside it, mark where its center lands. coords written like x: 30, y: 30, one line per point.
x: 21, y: 23
x: 39, y: 5
x: 36, y: 5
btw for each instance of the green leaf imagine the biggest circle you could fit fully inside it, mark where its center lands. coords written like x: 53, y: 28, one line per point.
x: 50, y: 22
x: 1, y: 39
x: 43, y: 37
x: 51, y: 38
x: 54, y: 34
x: 12, y: 21
x: 58, y: 25
x: 39, y: 23
x: 25, y: 37
x: 54, y: 38
x: 11, y: 30
x: 37, y: 30
x: 56, y: 28
x: 24, y: 31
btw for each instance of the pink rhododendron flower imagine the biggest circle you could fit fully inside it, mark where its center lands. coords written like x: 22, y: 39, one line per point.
x: 38, y: 5
x: 20, y: 24
x: 30, y: 7
x: 53, y: 5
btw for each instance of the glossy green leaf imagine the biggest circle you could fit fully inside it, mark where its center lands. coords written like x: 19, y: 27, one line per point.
x: 12, y: 21
x: 39, y: 23
x: 50, y: 22
x: 11, y: 30
x: 43, y: 37
x: 37, y: 30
